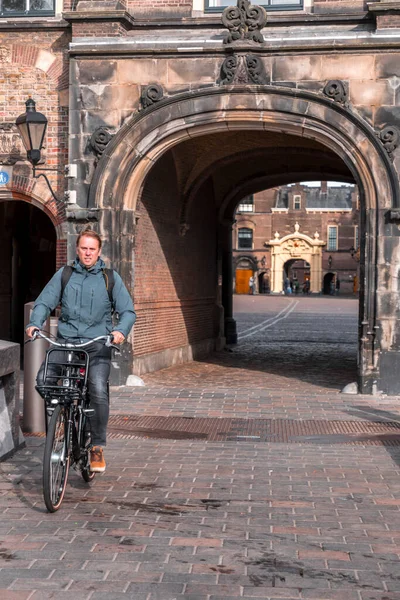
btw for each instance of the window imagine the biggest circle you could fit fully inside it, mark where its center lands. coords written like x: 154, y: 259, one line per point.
x: 332, y: 238
x: 356, y: 241
x: 22, y: 8
x: 245, y: 238
x: 297, y: 202
x: 219, y: 5
x: 247, y: 205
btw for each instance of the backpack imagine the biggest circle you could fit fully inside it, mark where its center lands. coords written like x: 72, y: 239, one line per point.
x: 109, y: 280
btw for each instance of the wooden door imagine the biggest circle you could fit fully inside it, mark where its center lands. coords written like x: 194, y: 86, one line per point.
x: 242, y: 280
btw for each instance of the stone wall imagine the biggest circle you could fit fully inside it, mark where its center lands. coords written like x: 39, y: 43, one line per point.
x: 10, y: 434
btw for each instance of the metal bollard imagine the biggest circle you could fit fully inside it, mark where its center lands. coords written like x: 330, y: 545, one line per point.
x: 34, y: 418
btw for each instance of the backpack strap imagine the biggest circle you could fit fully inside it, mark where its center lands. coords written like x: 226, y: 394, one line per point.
x: 65, y: 277
x: 109, y: 279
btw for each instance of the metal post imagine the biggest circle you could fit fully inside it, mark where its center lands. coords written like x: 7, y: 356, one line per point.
x: 34, y: 419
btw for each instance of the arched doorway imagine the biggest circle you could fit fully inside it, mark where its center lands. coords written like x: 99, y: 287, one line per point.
x: 329, y: 284
x: 215, y: 145
x: 264, y: 285
x: 290, y: 249
x: 28, y: 261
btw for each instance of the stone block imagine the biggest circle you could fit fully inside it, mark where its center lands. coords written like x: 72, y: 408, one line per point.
x: 142, y: 71
x: 297, y: 68
x: 355, y: 66
x: 193, y: 70
x: 371, y: 93
x: 91, y: 120
x: 10, y: 434
x: 96, y: 71
x: 387, y: 115
x: 387, y: 65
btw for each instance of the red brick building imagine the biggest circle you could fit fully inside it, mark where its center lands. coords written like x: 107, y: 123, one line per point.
x: 276, y: 230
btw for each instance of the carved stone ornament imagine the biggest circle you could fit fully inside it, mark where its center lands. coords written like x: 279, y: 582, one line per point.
x: 244, y: 22
x: 238, y: 69
x: 390, y: 137
x: 99, y: 140
x: 336, y: 90
x: 151, y: 94
x: 228, y: 70
x: 11, y: 147
x: 5, y: 54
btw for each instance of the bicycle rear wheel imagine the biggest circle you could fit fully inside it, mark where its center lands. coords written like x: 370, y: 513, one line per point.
x: 56, y: 460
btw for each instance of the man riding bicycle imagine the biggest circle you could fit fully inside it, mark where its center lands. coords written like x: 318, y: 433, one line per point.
x: 86, y: 313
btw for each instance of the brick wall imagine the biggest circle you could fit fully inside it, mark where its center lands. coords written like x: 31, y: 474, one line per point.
x: 340, y: 6
x: 175, y: 276
x: 171, y: 8
x: 40, y: 70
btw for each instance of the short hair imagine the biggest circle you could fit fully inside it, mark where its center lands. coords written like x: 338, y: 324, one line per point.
x: 89, y: 233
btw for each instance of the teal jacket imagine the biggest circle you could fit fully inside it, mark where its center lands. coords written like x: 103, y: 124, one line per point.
x: 86, y: 310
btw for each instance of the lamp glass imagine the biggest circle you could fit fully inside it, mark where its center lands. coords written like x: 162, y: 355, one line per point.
x: 23, y: 129
x: 36, y: 133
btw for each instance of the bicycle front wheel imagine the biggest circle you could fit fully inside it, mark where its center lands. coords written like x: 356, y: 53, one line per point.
x: 56, y: 460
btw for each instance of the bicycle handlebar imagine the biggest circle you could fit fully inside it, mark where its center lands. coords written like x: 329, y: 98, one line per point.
x: 39, y: 334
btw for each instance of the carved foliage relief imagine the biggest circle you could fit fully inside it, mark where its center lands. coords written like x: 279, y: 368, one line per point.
x: 244, y: 22
x: 11, y: 147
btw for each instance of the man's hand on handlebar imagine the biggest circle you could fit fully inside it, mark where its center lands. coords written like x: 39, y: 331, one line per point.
x: 30, y: 331
x: 117, y: 337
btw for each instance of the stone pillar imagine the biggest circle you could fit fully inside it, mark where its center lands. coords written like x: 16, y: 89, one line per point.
x: 117, y: 229
x: 11, y: 437
x: 225, y: 244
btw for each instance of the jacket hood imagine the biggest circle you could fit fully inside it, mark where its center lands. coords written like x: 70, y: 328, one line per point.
x: 98, y: 266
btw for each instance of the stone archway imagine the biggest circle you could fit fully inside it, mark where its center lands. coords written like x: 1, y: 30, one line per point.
x: 296, y: 246
x: 139, y: 146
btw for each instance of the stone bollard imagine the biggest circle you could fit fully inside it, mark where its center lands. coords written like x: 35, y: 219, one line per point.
x: 11, y: 437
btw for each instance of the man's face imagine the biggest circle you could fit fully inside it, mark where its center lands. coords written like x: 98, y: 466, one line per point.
x: 88, y: 251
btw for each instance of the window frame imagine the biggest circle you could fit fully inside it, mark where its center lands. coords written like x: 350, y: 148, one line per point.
x: 268, y: 6
x: 296, y: 198
x: 328, y: 247
x: 28, y: 12
x: 246, y: 207
x: 239, y: 238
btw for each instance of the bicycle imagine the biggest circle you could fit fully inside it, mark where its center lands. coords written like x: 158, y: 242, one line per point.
x: 68, y: 439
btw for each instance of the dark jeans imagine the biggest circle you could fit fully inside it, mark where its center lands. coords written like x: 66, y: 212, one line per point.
x: 99, y: 372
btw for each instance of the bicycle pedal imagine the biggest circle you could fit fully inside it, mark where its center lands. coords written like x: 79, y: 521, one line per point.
x: 88, y: 412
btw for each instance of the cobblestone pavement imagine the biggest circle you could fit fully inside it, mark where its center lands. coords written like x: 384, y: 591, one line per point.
x: 176, y: 519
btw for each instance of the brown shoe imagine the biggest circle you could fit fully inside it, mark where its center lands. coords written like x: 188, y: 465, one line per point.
x: 97, y: 462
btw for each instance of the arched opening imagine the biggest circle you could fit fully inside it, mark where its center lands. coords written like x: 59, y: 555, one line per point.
x: 28, y: 261
x: 329, y: 284
x: 195, y: 156
x: 264, y: 286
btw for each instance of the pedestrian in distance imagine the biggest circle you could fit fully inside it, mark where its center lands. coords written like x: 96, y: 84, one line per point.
x: 87, y: 305
x: 251, y: 285
x: 287, y: 286
x: 337, y: 286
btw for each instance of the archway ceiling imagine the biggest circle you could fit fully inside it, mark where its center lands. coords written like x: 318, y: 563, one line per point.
x: 245, y: 162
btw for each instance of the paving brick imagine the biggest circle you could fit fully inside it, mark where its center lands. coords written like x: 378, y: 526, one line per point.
x: 321, y: 518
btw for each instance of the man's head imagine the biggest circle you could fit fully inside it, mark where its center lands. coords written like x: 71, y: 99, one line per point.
x: 88, y: 247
